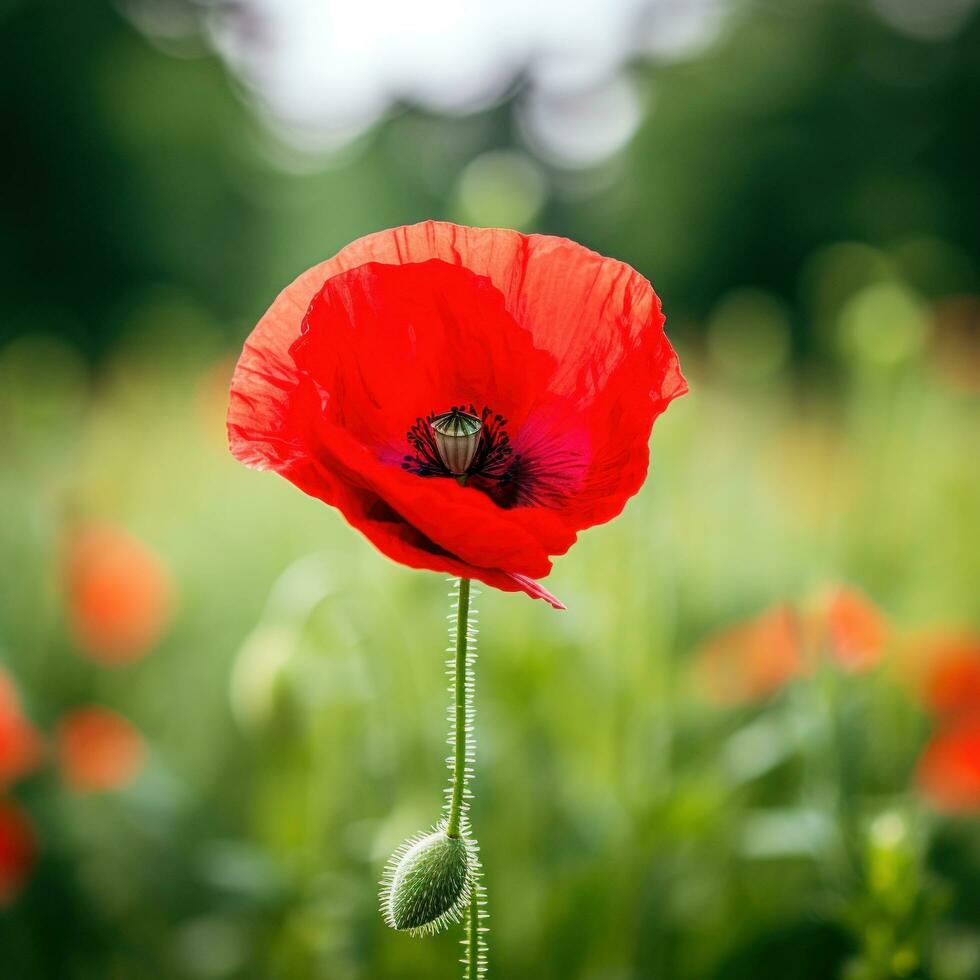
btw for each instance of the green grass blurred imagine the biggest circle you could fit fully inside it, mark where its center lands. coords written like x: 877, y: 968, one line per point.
x: 294, y: 709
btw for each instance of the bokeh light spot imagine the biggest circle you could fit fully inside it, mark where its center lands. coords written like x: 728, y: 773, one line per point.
x: 884, y: 325
x: 501, y: 189
x: 749, y: 334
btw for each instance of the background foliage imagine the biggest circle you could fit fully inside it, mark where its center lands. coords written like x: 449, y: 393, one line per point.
x: 802, y: 192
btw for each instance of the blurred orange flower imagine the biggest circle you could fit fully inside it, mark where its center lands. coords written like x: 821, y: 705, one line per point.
x: 119, y: 594
x: 851, y: 629
x: 948, y: 773
x: 98, y: 749
x: 752, y: 659
x: 21, y: 745
x: 945, y: 670
x: 18, y: 850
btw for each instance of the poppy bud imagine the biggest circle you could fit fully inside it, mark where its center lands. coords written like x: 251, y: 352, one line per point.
x: 457, y: 436
x: 427, y: 882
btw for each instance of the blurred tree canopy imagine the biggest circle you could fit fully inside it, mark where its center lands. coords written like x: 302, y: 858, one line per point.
x: 805, y: 124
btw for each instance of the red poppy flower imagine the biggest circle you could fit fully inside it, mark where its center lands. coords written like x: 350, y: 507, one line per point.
x: 98, y: 749
x: 949, y: 769
x: 18, y: 850
x: 119, y: 594
x: 752, y: 659
x: 21, y: 746
x: 468, y: 398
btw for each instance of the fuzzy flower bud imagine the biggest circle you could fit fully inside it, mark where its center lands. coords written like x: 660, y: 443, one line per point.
x: 427, y: 882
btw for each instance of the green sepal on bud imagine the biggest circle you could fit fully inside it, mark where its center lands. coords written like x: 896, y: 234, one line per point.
x: 426, y: 885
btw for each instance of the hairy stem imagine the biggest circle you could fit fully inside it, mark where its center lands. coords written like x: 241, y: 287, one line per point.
x: 472, y: 940
x: 460, y: 697
x: 462, y: 650
x: 474, y: 943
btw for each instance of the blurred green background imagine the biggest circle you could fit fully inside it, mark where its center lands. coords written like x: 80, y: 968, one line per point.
x: 799, y: 181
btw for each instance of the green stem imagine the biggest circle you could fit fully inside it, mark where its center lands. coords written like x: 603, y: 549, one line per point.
x: 459, y: 742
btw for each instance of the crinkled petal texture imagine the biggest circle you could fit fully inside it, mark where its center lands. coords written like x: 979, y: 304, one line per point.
x: 566, y: 345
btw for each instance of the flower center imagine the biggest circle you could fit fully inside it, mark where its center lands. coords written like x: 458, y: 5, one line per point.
x: 460, y: 443
x: 457, y: 436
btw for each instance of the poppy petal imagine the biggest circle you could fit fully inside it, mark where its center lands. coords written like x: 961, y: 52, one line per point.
x: 371, y: 514
x: 400, y: 541
x: 454, y: 343
x: 461, y: 520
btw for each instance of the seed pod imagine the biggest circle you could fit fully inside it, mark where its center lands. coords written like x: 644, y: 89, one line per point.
x: 426, y: 885
x: 457, y: 436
